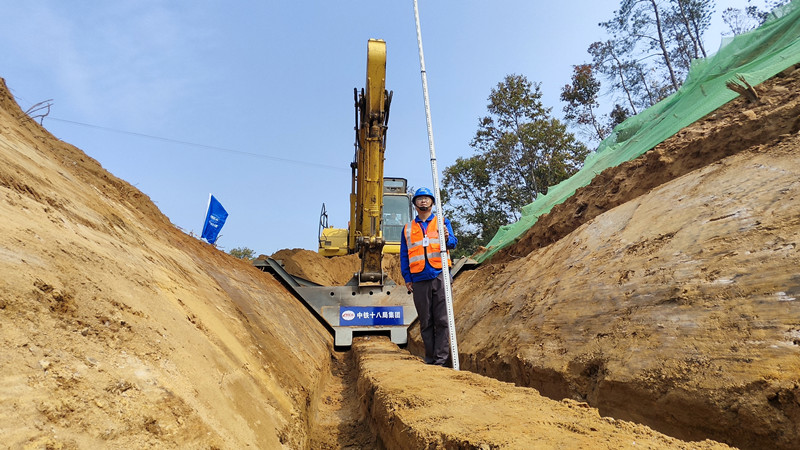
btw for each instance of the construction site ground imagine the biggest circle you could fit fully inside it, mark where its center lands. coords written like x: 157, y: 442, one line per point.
x: 656, y: 308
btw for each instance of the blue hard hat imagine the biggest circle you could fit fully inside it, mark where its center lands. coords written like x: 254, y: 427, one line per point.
x: 423, y: 192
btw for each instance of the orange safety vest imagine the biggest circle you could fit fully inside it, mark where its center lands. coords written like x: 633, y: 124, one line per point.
x: 417, y: 253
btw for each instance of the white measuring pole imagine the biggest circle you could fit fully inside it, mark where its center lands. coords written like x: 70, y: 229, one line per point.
x: 451, y: 323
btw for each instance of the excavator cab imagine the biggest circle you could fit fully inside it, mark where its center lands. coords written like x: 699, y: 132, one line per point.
x: 332, y: 241
x: 396, y: 212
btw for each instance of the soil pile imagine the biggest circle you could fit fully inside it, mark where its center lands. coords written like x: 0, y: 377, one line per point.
x: 336, y: 271
x: 412, y: 405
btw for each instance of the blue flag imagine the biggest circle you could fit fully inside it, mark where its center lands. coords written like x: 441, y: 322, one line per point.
x: 215, y: 219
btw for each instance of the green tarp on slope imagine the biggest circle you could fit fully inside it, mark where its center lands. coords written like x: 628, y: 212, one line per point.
x: 757, y: 55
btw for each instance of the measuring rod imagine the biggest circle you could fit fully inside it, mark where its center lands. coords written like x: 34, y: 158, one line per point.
x: 451, y: 324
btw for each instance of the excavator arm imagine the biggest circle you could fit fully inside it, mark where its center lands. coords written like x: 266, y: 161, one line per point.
x: 366, y: 198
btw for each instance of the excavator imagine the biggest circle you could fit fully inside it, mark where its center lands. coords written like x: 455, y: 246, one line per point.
x: 397, y: 211
x: 379, y: 207
x: 370, y: 303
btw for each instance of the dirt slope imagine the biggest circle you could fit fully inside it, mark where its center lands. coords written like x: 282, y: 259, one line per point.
x: 118, y: 330
x: 667, y: 291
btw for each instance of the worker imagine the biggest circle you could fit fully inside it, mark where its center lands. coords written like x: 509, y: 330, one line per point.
x: 421, y: 266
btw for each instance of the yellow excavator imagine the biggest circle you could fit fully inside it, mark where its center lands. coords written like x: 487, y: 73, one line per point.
x: 379, y: 207
x: 370, y: 303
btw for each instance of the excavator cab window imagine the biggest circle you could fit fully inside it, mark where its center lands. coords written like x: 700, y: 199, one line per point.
x: 396, y: 213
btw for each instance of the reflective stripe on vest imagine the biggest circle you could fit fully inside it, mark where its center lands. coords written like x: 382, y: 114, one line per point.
x: 417, y: 252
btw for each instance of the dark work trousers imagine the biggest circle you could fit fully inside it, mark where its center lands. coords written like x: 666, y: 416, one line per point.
x: 431, y: 304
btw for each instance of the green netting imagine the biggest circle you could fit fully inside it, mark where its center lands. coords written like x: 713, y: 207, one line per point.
x: 757, y: 55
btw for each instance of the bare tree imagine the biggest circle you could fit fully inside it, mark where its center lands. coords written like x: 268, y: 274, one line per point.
x: 743, y: 20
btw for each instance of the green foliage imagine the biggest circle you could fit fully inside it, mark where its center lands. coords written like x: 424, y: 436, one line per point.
x: 468, y: 240
x: 242, y: 253
x: 470, y: 199
x: 618, y: 115
x: 520, y: 151
x: 581, y: 99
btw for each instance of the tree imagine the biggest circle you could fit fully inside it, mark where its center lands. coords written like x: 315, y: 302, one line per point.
x: 651, y: 47
x: 626, y: 77
x: 639, y: 29
x: 738, y: 21
x: 618, y: 115
x: 476, y: 212
x: 688, y: 22
x: 581, y: 99
x: 743, y: 20
x: 243, y: 253
x: 521, y: 151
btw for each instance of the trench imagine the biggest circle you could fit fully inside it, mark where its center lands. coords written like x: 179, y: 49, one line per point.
x: 358, y: 419
x: 336, y: 421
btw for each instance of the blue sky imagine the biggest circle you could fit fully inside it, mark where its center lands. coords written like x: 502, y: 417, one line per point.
x: 265, y: 90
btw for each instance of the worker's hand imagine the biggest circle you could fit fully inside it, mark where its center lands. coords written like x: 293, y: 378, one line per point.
x: 409, y: 286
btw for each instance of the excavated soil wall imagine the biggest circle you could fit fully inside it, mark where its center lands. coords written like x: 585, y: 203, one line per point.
x: 413, y: 405
x: 119, y: 331
x: 678, y: 307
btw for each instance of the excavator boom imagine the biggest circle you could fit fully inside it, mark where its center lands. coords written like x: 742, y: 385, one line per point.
x: 372, y: 113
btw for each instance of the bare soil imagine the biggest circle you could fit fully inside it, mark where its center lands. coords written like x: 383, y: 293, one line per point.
x: 656, y: 308
x: 337, y: 271
x: 120, y: 331
x: 666, y: 292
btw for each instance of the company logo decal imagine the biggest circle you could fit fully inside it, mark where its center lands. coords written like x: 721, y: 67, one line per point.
x: 370, y: 315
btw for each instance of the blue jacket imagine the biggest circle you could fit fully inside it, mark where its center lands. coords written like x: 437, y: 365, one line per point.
x: 429, y: 272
